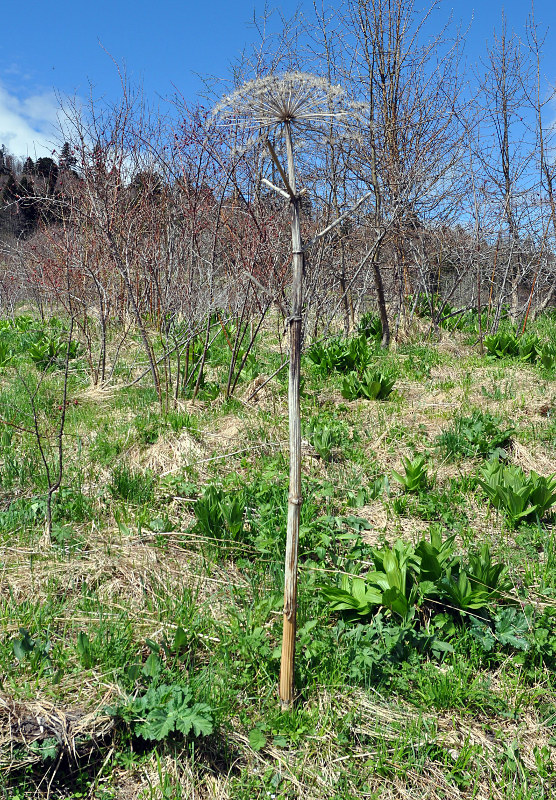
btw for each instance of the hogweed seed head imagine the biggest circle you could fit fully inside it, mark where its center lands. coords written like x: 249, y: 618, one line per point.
x: 295, y: 97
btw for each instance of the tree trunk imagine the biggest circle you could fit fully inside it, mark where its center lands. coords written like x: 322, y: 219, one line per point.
x: 381, y: 300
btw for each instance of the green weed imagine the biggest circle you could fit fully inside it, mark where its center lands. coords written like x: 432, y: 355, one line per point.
x: 371, y: 385
x: 133, y: 486
x: 415, y: 477
x: 478, y: 434
x: 519, y: 496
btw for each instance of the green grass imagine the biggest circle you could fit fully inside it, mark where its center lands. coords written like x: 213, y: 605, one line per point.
x: 172, y: 576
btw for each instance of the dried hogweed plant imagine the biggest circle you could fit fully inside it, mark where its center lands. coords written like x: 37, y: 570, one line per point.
x: 280, y: 103
x: 295, y: 97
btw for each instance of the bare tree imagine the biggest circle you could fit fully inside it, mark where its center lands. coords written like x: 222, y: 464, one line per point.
x: 505, y: 156
x: 541, y: 98
x: 409, y: 134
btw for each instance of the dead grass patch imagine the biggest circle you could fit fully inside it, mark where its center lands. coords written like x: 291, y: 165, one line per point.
x: 25, y: 726
x: 388, y: 528
x: 230, y: 428
x: 168, y: 454
x: 126, y: 574
x: 532, y: 458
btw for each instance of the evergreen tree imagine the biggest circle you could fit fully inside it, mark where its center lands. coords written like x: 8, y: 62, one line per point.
x: 48, y: 169
x: 9, y: 192
x: 26, y: 187
x: 66, y: 160
x: 28, y: 205
x: 9, y: 216
x: 28, y: 166
x: 4, y: 169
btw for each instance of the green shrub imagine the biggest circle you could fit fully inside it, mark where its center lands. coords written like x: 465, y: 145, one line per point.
x: 23, y: 322
x: 164, y: 710
x: 502, y: 344
x: 405, y: 577
x: 370, y: 326
x: 328, y: 436
x: 251, y: 367
x: 528, y: 348
x: 458, y: 319
x: 50, y: 351
x: 340, y: 355
x: 220, y: 514
x: 547, y: 355
x: 392, y: 584
x: 6, y: 353
x: 208, y: 390
x: 475, y: 588
x: 71, y: 504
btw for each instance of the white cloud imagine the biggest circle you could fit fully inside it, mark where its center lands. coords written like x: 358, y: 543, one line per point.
x: 28, y: 125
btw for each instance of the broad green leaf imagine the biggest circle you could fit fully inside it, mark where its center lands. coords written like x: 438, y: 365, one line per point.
x: 181, y: 639
x: 23, y: 646
x: 196, y: 717
x: 510, y: 625
x: 257, y: 739
x: 378, y: 579
x: 152, y: 666
x: 396, y: 601
x: 358, y: 589
x: 159, y: 723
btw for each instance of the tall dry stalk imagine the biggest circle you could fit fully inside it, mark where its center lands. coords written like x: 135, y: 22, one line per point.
x: 280, y: 103
x: 294, y: 417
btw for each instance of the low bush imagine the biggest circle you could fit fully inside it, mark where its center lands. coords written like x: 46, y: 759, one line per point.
x: 50, y: 351
x: 528, y: 348
x: 340, y: 354
x: 429, y: 583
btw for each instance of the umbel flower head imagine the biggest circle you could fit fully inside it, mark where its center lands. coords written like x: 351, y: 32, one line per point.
x: 298, y: 98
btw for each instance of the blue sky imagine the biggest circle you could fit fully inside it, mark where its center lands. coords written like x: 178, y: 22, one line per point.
x: 57, y: 48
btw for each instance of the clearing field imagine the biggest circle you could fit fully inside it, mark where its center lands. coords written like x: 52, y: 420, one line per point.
x: 140, y: 629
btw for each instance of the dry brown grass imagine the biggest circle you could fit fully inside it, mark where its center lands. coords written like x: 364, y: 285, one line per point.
x: 314, y: 769
x: 532, y: 457
x: 24, y: 725
x: 126, y: 574
x: 169, y: 454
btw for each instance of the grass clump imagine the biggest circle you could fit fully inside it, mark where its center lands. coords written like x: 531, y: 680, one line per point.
x: 133, y: 486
